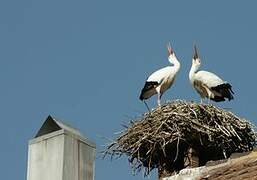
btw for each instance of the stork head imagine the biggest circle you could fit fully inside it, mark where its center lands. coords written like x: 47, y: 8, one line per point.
x: 171, y: 55
x: 196, y: 59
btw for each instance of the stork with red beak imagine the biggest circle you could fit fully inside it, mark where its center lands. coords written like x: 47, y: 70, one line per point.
x: 208, y: 84
x: 162, y: 79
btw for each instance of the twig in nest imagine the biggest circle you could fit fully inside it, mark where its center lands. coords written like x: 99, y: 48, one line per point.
x: 177, y: 150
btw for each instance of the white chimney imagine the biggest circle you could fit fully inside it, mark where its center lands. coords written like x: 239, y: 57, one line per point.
x: 60, y: 152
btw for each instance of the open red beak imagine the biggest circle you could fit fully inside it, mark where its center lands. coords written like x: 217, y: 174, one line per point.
x: 170, y: 50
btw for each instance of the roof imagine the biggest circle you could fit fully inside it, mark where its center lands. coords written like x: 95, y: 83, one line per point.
x: 52, y: 124
x: 239, y: 166
x: 53, y: 127
x: 244, y: 167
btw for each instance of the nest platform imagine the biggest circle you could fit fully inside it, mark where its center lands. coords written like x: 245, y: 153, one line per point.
x: 166, y: 137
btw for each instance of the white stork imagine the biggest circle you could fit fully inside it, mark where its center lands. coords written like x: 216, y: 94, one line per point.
x: 207, y: 84
x: 162, y: 79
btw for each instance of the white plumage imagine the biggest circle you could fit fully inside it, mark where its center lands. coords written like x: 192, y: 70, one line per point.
x: 162, y: 79
x: 208, y: 78
x: 208, y: 84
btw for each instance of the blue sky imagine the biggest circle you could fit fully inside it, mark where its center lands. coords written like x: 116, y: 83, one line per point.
x: 85, y: 62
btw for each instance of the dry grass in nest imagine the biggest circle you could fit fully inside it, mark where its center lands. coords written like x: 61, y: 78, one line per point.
x: 161, y: 138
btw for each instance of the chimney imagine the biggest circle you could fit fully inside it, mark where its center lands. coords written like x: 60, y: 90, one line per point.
x: 60, y: 152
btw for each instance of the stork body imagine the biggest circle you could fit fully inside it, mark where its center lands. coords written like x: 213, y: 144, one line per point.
x: 208, y: 84
x: 162, y: 79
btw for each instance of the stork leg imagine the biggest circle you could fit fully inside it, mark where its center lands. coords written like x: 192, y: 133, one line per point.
x: 147, y: 106
x: 159, y: 99
x: 158, y: 96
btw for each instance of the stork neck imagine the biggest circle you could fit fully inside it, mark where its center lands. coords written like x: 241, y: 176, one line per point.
x: 173, y: 60
x: 193, y: 70
x: 176, y: 64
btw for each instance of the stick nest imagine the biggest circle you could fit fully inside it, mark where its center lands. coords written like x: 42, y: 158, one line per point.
x: 161, y: 138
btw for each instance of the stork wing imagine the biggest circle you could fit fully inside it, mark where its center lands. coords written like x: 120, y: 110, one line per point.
x: 161, y: 74
x: 208, y: 78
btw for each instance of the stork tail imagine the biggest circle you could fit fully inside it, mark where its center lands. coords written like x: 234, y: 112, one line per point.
x: 225, y: 90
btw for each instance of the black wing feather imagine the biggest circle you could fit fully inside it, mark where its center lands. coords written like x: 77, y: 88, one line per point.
x: 225, y: 90
x: 149, y: 85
